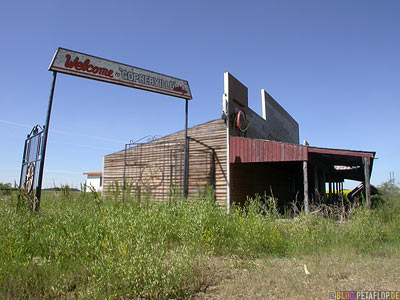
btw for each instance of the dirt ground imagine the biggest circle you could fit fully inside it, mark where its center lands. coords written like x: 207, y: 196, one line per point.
x: 286, y: 278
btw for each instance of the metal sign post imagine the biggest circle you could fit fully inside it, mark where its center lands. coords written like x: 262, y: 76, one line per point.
x: 186, y: 157
x: 46, y: 133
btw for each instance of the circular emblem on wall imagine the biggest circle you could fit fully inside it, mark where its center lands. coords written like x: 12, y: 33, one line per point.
x: 152, y: 176
x: 29, y: 177
x: 241, y: 121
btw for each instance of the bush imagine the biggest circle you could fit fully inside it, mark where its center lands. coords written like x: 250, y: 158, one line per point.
x: 365, y: 230
x: 6, y: 188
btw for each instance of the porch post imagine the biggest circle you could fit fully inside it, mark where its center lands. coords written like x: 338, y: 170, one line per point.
x: 367, y: 186
x: 305, y: 181
x: 336, y: 191
x: 330, y: 190
x: 316, y: 184
x: 342, y: 189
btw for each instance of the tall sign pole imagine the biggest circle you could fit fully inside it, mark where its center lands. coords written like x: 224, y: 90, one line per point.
x: 44, y: 144
x: 186, y: 157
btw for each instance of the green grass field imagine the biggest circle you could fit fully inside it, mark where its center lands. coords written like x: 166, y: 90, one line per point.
x: 81, y: 247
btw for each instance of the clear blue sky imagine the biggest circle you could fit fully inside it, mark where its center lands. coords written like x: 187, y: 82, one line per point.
x: 333, y: 65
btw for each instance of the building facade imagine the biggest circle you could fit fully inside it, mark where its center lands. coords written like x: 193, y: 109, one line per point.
x: 238, y: 155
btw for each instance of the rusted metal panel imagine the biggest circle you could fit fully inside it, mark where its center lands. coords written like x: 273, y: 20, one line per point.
x: 245, y: 150
x: 341, y: 152
x: 252, y: 150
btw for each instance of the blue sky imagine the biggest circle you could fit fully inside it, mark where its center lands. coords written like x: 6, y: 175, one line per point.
x: 333, y: 65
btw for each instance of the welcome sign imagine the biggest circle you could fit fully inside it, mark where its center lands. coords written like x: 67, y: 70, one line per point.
x: 92, y: 67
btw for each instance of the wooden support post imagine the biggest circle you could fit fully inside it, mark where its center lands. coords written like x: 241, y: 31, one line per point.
x: 305, y: 181
x: 212, y: 170
x: 342, y: 190
x: 341, y: 197
x: 367, y: 186
x: 336, y: 191
x: 316, y: 184
x: 324, y: 185
x: 329, y: 190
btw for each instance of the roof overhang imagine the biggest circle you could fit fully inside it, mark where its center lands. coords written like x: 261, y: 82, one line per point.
x: 96, y: 173
x: 339, y: 164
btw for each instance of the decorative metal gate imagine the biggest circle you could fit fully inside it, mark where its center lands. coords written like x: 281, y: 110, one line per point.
x: 29, y: 179
x: 155, y: 168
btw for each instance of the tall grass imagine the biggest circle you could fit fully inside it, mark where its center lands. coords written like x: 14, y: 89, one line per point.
x: 82, y: 246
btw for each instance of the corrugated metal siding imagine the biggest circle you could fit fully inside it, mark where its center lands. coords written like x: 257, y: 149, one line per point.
x: 245, y: 150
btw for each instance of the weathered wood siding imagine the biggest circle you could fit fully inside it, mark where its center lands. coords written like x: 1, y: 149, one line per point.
x: 204, y: 166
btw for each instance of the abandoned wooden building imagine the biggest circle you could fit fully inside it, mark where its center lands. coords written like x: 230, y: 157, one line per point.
x: 239, y: 155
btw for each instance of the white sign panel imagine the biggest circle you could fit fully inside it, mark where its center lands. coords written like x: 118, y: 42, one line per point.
x: 79, y: 64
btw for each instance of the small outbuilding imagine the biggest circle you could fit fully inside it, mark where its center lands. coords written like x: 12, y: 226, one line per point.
x: 94, y: 181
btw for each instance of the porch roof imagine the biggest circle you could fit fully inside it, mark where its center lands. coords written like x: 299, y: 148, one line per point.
x: 339, y: 164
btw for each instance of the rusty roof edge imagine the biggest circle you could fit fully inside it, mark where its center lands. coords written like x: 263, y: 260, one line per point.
x: 344, y: 152
x: 321, y: 150
x: 265, y: 140
x: 93, y: 173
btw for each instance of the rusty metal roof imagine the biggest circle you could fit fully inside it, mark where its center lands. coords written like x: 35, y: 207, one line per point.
x: 94, y: 173
x: 339, y: 163
x: 245, y: 150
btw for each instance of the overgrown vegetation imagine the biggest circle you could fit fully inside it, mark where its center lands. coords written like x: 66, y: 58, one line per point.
x: 6, y: 188
x: 82, y: 246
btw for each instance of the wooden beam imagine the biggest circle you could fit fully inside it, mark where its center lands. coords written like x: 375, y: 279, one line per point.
x: 341, y: 152
x: 316, y: 184
x: 336, y: 190
x: 324, y: 184
x: 342, y: 190
x: 367, y: 186
x: 305, y: 181
x: 330, y: 190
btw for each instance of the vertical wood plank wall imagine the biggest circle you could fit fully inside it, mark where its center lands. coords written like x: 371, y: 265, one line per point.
x: 203, y: 139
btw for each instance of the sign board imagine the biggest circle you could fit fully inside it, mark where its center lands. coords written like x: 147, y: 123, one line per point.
x: 92, y: 67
